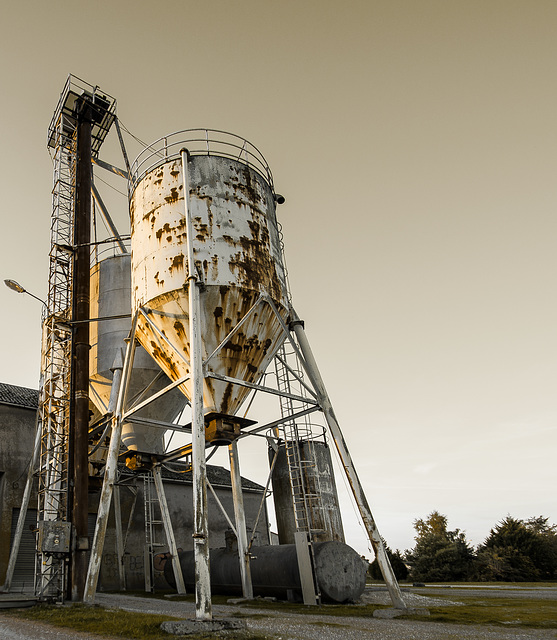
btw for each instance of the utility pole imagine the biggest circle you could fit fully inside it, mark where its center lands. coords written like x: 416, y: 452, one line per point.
x: 79, y: 421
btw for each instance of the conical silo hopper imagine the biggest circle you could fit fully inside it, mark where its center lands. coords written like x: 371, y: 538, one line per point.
x: 238, y: 256
x: 111, y: 296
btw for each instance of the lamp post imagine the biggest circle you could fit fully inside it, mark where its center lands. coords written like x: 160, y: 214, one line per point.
x: 15, y: 286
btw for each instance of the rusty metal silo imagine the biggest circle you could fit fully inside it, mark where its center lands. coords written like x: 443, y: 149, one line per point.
x: 238, y: 258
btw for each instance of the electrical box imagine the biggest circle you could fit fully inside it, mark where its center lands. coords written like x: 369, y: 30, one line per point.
x: 54, y: 536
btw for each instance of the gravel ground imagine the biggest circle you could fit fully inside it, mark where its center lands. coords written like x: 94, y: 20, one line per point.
x: 12, y: 628
x: 290, y: 626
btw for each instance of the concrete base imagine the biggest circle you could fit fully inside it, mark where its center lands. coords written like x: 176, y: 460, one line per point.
x: 388, y: 614
x: 189, y: 627
x: 16, y: 600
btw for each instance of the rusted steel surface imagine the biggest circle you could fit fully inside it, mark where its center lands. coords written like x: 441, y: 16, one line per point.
x: 237, y: 256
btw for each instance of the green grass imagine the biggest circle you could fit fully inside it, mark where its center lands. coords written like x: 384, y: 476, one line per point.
x: 508, y: 612
x: 116, y: 623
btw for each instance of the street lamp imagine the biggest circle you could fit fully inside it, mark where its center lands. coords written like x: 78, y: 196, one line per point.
x: 15, y: 286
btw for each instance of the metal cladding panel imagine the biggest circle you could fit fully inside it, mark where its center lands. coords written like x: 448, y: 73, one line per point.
x: 238, y: 256
x: 110, y: 296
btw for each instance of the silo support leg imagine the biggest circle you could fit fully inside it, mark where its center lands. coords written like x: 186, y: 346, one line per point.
x: 120, y: 381
x: 203, y: 604
x: 240, y: 516
x: 306, y: 568
x: 119, y: 538
x: 165, y: 513
x: 349, y: 468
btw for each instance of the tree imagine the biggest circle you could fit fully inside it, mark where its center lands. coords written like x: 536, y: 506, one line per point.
x: 518, y: 550
x: 439, y: 554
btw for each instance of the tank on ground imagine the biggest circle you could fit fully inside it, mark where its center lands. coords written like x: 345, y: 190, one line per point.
x: 339, y: 570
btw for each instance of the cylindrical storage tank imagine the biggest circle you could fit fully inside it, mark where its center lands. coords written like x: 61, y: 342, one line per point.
x: 320, y: 484
x: 111, y: 296
x: 340, y: 571
x: 238, y: 256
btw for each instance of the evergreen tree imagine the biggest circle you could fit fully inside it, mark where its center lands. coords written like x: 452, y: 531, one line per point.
x: 439, y: 554
x: 518, y: 550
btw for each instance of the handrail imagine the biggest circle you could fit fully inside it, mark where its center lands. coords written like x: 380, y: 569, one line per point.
x: 199, y: 142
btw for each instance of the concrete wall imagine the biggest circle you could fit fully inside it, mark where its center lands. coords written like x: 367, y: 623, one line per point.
x: 180, y: 502
x: 17, y: 433
x: 17, y: 436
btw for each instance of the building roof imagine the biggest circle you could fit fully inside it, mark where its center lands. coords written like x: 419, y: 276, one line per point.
x: 19, y: 396
x: 218, y: 476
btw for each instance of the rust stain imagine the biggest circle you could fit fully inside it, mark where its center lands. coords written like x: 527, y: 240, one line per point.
x: 226, y: 398
x: 164, y: 360
x: 180, y: 331
x: 174, y: 195
x: 165, y: 229
x: 177, y: 262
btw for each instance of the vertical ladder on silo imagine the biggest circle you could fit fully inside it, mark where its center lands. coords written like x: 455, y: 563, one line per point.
x: 306, y: 503
x: 302, y: 469
x: 153, y: 525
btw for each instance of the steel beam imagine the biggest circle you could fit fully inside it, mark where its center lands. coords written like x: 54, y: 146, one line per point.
x: 240, y: 517
x: 203, y: 605
x: 165, y: 514
x: 120, y: 383
x: 357, y: 489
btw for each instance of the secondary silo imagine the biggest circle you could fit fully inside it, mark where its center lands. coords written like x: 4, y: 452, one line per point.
x: 238, y: 258
x: 321, y: 497
x: 111, y: 298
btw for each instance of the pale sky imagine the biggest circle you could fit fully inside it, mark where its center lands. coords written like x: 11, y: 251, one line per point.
x: 416, y: 144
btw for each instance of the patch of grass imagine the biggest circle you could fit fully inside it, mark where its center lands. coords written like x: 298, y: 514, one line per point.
x: 117, y: 623
x: 510, y: 612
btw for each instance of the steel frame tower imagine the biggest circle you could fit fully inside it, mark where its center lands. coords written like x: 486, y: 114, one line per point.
x: 55, y: 401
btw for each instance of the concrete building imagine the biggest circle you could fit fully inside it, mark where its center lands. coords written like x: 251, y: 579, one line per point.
x: 18, y: 406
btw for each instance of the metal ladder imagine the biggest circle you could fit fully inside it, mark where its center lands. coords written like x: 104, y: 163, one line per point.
x: 54, y: 400
x: 298, y: 442
x: 304, y: 481
x: 153, y: 527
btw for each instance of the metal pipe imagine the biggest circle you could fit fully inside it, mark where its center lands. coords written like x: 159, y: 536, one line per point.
x: 79, y: 425
x: 240, y: 517
x: 314, y: 375
x: 203, y: 605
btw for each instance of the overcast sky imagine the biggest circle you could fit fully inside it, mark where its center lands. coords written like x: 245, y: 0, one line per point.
x: 416, y: 144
